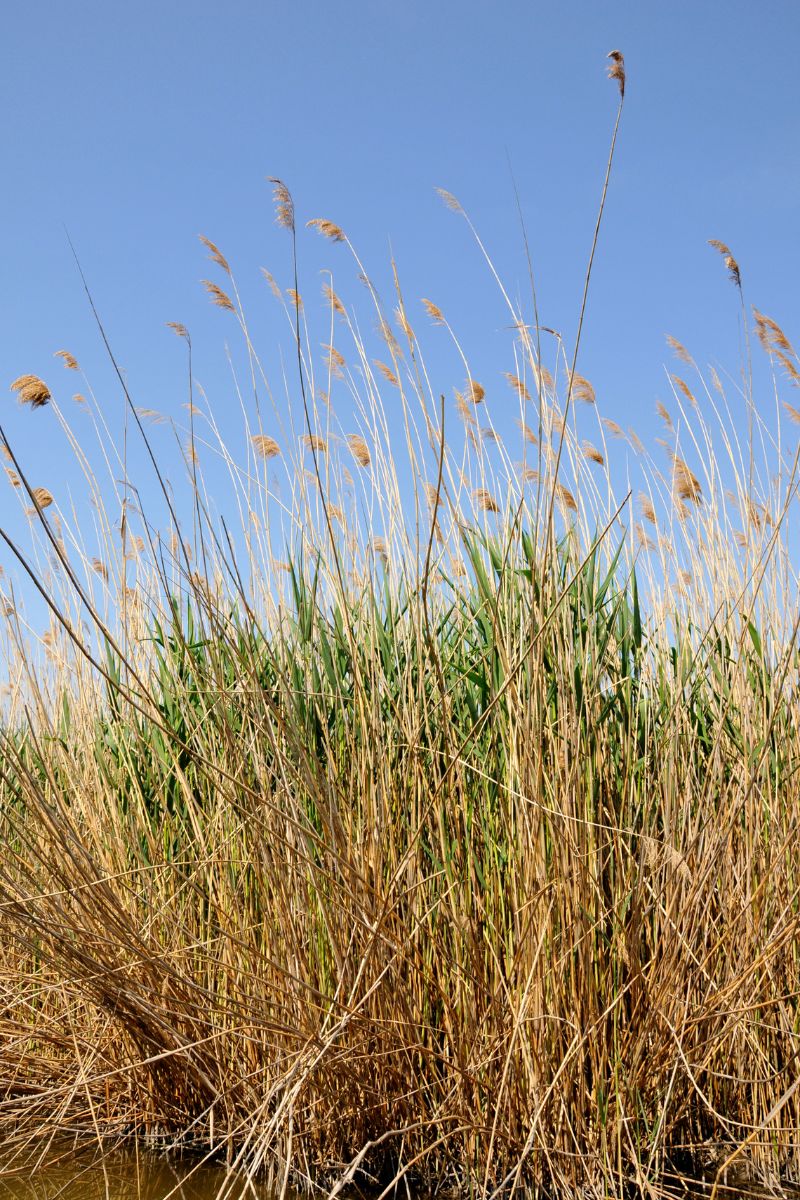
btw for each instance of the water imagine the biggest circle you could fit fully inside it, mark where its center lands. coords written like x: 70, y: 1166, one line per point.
x: 127, y: 1176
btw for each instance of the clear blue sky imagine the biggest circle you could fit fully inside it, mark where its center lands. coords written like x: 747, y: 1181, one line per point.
x: 138, y: 126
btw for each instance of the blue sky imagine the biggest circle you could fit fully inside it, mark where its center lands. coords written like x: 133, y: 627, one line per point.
x: 137, y: 127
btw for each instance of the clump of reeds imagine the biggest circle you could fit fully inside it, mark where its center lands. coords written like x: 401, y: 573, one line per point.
x: 456, y: 844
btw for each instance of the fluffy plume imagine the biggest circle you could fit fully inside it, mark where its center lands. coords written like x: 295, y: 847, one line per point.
x: 646, y: 508
x: 218, y: 297
x: 336, y: 359
x: 284, y: 205
x: 635, y: 440
x: 593, y: 454
x: 565, y: 496
x: 41, y: 497
x: 327, y: 229
x: 69, y: 360
x: 685, y: 482
x: 730, y: 262
x: 434, y: 312
x: 450, y: 200
x: 270, y: 278
x: 475, y: 391
x: 582, y: 389
x: 684, y: 388
x: 359, y: 449
x: 486, y: 500
x: 770, y: 334
x: 616, y: 70
x: 265, y: 446
x: 518, y: 386
x: 664, y: 414
x: 387, y: 372
x: 151, y: 415
x: 679, y: 350
x: 464, y: 409
x: 402, y: 321
x: 178, y: 329
x: 333, y: 299
x: 643, y: 539
x: 295, y: 297
x: 215, y: 254
x: 528, y: 433
x: 312, y: 441
x: 613, y: 428
x: 13, y: 477
x: 31, y: 390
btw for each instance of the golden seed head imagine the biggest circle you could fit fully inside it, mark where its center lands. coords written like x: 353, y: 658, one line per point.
x: 270, y: 278
x: 685, y: 483
x: 730, y: 262
x: 31, y: 390
x: 359, y: 449
x: 336, y: 360
x: 683, y: 387
x: 220, y: 298
x: 616, y: 70
x: 265, y: 446
x: 679, y: 350
x: 69, y: 360
x: 528, y: 433
x: 450, y: 200
x: 475, y: 391
x: 312, y: 441
x: 582, y: 389
x: 284, y: 205
x: 593, y: 454
x: 333, y: 299
x: 434, y: 312
x: 295, y: 298
x: 327, y: 229
x: 215, y: 254
x: 486, y: 500
x: 518, y: 386
x: 664, y: 414
x: 178, y: 329
x: 566, y: 497
x: 387, y: 372
x: 643, y: 539
x: 646, y: 508
x: 41, y: 497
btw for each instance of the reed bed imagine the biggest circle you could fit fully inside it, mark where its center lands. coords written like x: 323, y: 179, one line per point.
x: 438, y: 826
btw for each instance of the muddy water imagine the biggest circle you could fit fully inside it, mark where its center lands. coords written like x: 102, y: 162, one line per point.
x: 127, y: 1177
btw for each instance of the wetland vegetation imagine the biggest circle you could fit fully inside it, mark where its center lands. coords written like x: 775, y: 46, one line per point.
x: 436, y: 825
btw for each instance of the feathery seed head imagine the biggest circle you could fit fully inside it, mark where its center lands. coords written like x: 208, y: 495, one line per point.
x: 265, y: 446
x: 359, y: 449
x: 284, y: 205
x: 31, y: 390
x: 69, y: 360
x: 326, y: 228
x: 218, y: 297
x: 215, y: 254
x: 616, y: 70
x: 730, y: 262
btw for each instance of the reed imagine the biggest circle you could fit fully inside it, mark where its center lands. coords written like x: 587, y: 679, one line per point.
x: 440, y: 826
